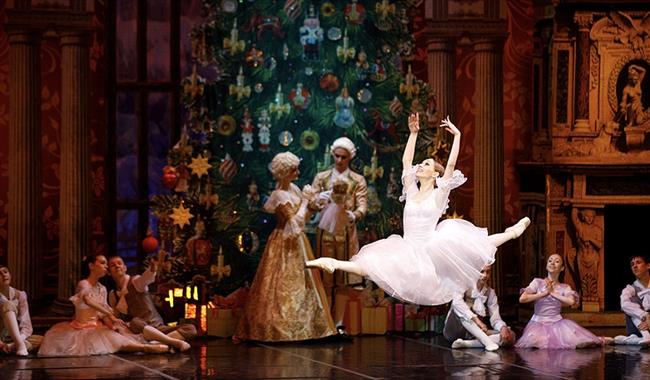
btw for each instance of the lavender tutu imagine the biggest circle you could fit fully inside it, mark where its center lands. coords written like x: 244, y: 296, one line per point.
x: 429, y: 265
x: 547, y: 328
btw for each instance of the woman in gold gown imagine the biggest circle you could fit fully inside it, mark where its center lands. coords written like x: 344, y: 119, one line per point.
x: 286, y: 301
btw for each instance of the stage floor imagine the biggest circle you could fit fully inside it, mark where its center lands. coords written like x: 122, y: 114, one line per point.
x: 380, y: 357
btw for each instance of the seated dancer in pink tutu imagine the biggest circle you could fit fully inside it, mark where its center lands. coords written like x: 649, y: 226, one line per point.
x: 547, y: 328
x: 433, y: 261
x: 94, y: 330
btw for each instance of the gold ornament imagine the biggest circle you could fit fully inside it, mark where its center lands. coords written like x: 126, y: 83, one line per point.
x: 373, y: 171
x: 181, y: 216
x: 234, y: 44
x: 199, y: 166
x: 410, y: 86
x: 194, y: 86
x: 345, y: 52
x: 220, y: 270
x: 384, y: 8
x: 279, y: 107
x: 240, y: 90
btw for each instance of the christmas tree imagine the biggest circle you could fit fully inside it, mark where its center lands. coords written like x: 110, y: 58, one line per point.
x: 273, y: 76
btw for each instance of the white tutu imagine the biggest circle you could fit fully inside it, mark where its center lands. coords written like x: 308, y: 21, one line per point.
x: 428, y: 265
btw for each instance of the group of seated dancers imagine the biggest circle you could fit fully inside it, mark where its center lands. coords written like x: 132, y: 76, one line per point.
x: 433, y: 263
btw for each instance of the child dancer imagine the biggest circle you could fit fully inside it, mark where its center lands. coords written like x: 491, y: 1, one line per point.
x: 547, y: 328
x: 635, y: 303
x: 447, y: 256
x: 94, y: 330
x: 15, y: 325
x: 464, y: 318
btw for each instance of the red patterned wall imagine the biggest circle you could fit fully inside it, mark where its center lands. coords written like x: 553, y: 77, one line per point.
x: 51, y: 120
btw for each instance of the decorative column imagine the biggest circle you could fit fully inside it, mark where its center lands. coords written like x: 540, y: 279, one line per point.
x: 440, y: 70
x: 488, y: 140
x: 25, y: 161
x: 582, y: 72
x: 75, y: 167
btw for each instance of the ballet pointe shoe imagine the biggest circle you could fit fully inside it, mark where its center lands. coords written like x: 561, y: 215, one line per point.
x: 325, y: 263
x: 21, y: 349
x: 183, y: 346
x: 518, y: 228
x: 156, y: 348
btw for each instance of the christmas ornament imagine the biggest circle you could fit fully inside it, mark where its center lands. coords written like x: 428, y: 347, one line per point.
x: 269, y: 26
x: 406, y: 50
x: 228, y: 168
x: 169, y: 177
x: 264, y: 134
x: 392, y: 188
x: 364, y: 95
x: 258, y: 88
x: 270, y: 63
x: 181, y: 215
x: 309, y: 71
x: 374, y: 203
x: 285, y: 138
x: 299, y: 97
x: 311, y: 35
x: 220, y: 270
x: 253, y: 197
x: 200, y: 50
x: 355, y: 13
x: 327, y: 9
x: 279, y: 108
x: 183, y: 175
x: 378, y: 71
x: 254, y: 57
x: 193, y: 86
x: 329, y: 82
x: 150, y: 243
x: 247, y: 131
x: 247, y: 242
x: 285, y: 51
x: 345, y: 52
x: 410, y: 87
x: 344, y: 103
x: 396, y: 107
x: 240, y: 90
x: 293, y: 9
x: 182, y: 147
x: 327, y: 158
x: 334, y: 33
x: 386, y: 49
x: 384, y: 9
x: 229, y: 6
x: 309, y: 139
x: 373, y: 171
x: 226, y: 125
x: 233, y: 44
x: 207, y: 199
x: 197, y: 248
x: 199, y: 166
x: 363, y: 67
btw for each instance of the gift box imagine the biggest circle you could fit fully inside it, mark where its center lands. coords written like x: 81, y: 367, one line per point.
x: 417, y: 324
x: 352, y: 318
x: 222, y: 322
x: 374, y: 320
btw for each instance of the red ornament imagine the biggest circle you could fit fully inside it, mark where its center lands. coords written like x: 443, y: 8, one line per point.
x: 228, y: 168
x: 169, y: 177
x: 150, y: 244
x: 329, y: 82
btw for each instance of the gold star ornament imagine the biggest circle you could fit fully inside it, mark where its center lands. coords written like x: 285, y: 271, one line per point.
x: 199, y: 166
x: 181, y: 216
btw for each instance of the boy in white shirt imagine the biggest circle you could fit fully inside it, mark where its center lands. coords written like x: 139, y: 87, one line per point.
x: 635, y: 303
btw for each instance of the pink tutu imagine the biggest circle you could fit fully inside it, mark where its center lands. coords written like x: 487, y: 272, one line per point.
x: 563, y: 334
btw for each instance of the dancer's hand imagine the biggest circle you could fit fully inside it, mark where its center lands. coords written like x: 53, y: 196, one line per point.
x: 644, y: 323
x: 480, y: 324
x: 323, y: 197
x: 507, y: 336
x: 5, y: 348
x: 414, y: 123
x: 449, y: 126
x: 308, y: 193
x: 351, y: 217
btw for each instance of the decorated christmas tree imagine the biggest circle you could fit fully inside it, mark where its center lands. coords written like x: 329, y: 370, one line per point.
x: 273, y: 76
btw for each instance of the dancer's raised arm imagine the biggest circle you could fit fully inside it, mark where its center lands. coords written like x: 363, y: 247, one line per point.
x: 409, y: 150
x: 455, y: 147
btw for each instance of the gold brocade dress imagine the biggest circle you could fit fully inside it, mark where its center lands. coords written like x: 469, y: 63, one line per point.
x: 286, y: 301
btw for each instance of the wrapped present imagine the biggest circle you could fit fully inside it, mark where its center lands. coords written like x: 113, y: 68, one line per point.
x: 352, y: 318
x: 396, y: 317
x: 374, y: 320
x: 222, y: 322
x: 234, y: 300
x: 435, y: 323
x: 417, y: 324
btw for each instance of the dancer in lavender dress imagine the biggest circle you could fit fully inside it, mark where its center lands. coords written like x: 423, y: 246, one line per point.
x: 433, y: 261
x: 547, y: 328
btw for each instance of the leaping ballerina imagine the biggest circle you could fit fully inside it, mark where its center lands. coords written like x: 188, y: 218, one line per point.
x: 433, y: 261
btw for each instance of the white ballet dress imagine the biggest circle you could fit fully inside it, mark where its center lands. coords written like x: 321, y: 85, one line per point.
x: 433, y: 261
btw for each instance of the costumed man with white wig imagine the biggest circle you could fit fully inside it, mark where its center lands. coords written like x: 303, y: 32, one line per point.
x: 342, y: 199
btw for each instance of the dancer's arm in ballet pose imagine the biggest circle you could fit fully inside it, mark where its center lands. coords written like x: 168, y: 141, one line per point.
x: 409, y: 150
x: 455, y: 147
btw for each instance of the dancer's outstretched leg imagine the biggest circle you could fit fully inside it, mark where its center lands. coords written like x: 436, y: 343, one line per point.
x: 475, y: 343
x: 151, y: 333
x: 11, y: 323
x: 479, y: 334
x: 510, y: 233
x: 329, y: 264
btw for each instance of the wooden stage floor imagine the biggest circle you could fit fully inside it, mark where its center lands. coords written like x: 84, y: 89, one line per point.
x: 367, y: 357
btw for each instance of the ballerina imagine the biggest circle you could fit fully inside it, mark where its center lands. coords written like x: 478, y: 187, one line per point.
x: 433, y: 261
